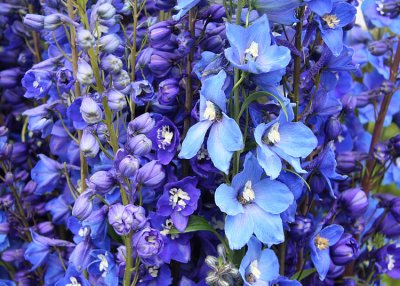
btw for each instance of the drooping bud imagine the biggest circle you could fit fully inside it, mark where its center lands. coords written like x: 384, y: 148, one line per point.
x: 91, y: 111
x: 85, y: 73
x: 139, y: 145
x: 151, y: 174
x: 354, y: 202
x: 142, y: 124
x: 333, y: 128
x: 345, y: 250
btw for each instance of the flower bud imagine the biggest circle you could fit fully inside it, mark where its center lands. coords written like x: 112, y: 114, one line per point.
x: 34, y: 22
x: 161, y: 31
x: 142, y: 92
x: 106, y: 11
x: 168, y: 90
x: 301, y: 227
x: 45, y: 228
x: 10, y: 78
x: 116, y: 100
x: 90, y: 110
x: 52, y: 22
x: 65, y: 80
x: 12, y: 255
x: 128, y: 166
x: 6, y: 201
x: 346, y: 162
x: 122, y: 81
x: 109, y: 43
x: 214, y: 43
x: 111, y: 64
x: 139, y: 145
x: 85, y: 39
x: 151, y: 174
x: 381, y: 152
x: 83, y: 205
x: 102, y: 132
x: 333, y: 128
x: 161, y: 63
x: 103, y: 181
x: 317, y: 184
x: 354, y: 202
x: 89, y: 145
x: 9, y: 178
x: 142, y: 124
x: 4, y: 227
x: 378, y: 48
x: 85, y: 73
x: 345, y: 250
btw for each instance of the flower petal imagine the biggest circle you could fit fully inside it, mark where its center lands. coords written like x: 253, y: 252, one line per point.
x: 230, y: 134
x: 226, y: 200
x: 332, y: 233
x: 321, y: 261
x: 269, y: 161
x: 220, y: 157
x: 238, y: 229
x: 268, y: 265
x: 194, y: 138
x: 272, y: 196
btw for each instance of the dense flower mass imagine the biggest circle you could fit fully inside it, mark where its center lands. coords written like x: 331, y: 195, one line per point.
x: 188, y: 142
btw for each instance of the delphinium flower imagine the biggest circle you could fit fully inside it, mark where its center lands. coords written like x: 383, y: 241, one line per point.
x: 383, y: 13
x: 225, y: 136
x: 251, y: 200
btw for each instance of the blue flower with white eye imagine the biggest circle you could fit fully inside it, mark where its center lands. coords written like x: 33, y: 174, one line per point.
x: 331, y: 25
x: 319, y: 246
x: 253, y: 205
x: 283, y: 139
x: 37, y: 83
x: 73, y: 277
x: 103, y: 267
x: 251, y: 48
x: 225, y: 136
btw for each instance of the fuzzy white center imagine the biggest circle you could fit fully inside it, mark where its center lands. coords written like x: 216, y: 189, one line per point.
x: 164, y: 135
x: 153, y: 271
x: 83, y: 231
x: 331, y: 20
x: 391, y: 262
x: 178, y: 197
x: 252, y: 51
x: 254, y: 269
x: 74, y: 282
x: 211, y: 112
x: 273, y: 135
x: 167, y: 227
x: 248, y: 192
x: 103, y: 264
x: 35, y: 84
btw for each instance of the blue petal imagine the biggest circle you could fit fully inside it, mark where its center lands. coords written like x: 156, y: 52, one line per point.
x: 272, y: 196
x: 273, y: 58
x: 259, y: 32
x: 345, y: 12
x: 253, y: 253
x: 268, y: 265
x: 230, y: 134
x: 237, y: 37
x: 333, y: 38
x: 332, y: 233
x: 321, y: 7
x: 226, y: 200
x: 212, y: 90
x: 297, y: 140
x: 321, y: 261
x: 251, y: 172
x: 269, y: 161
x: 184, y: 6
x: 268, y: 228
x: 238, y: 229
x: 220, y: 157
x: 294, y: 162
x: 194, y: 139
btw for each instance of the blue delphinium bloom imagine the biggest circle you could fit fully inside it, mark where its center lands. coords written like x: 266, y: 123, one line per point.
x: 319, y: 246
x: 4, y: 243
x: 46, y: 173
x: 73, y: 277
x: 184, y: 6
x: 225, y: 136
x: 253, y: 205
x: 282, y: 139
x: 179, y: 200
x: 320, y: 7
x: 331, y: 25
x: 383, y: 13
x: 251, y: 48
x: 37, y: 83
x: 259, y: 267
x: 103, y: 267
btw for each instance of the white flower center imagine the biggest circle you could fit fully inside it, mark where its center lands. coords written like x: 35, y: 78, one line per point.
x: 202, y: 153
x: 391, y: 262
x: 248, y: 192
x: 167, y: 227
x: 397, y: 162
x: 251, y: 52
x: 153, y: 271
x: 254, y: 269
x: 103, y: 264
x: 83, y: 231
x: 211, y: 112
x: 321, y: 243
x: 164, y: 136
x: 331, y: 20
x: 273, y: 135
x: 178, y: 197
x: 74, y: 282
x: 35, y: 84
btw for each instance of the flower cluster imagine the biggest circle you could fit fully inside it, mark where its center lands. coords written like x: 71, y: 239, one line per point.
x: 188, y: 142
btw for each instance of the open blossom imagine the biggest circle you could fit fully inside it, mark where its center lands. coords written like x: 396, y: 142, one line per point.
x: 225, y: 136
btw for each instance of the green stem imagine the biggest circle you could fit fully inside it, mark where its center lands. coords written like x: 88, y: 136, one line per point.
x: 128, y: 265
x: 297, y: 63
x: 136, y: 278
x: 35, y: 38
x: 133, y: 54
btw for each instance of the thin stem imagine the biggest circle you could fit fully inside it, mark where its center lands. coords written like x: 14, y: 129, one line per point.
x: 128, y: 265
x: 136, y: 278
x: 35, y: 37
x: 376, y: 135
x: 297, y: 63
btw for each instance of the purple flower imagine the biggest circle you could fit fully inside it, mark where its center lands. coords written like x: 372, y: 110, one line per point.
x: 126, y: 218
x: 148, y: 244
x: 179, y: 201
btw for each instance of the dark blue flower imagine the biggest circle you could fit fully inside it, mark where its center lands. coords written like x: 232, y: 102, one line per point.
x: 103, y: 267
x: 37, y: 83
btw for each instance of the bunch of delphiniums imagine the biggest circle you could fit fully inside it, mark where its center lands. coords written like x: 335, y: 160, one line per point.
x: 154, y: 142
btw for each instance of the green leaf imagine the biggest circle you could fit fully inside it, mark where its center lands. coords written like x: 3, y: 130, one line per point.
x: 303, y: 275
x: 196, y: 223
x: 257, y: 95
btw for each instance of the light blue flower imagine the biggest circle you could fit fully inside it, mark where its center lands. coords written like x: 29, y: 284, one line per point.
x: 379, y: 16
x: 253, y: 205
x: 320, y: 7
x: 319, y: 246
x: 225, y: 136
x: 251, y: 48
x: 282, y: 139
x: 282, y: 11
x: 184, y: 6
x: 331, y: 25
